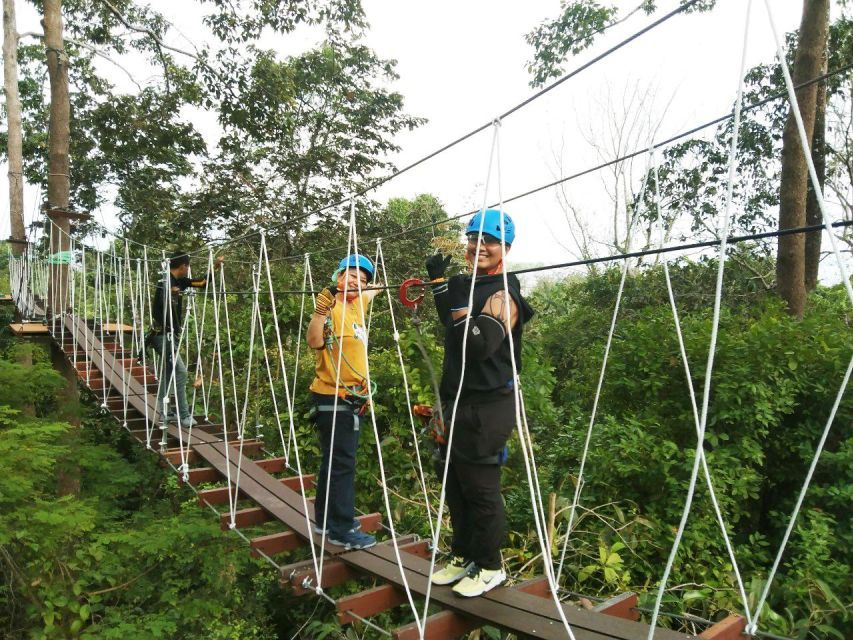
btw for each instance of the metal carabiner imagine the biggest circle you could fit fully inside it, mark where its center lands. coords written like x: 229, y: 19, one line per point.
x: 404, y: 292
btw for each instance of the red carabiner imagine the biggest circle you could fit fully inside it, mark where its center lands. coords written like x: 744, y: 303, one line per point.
x: 404, y: 292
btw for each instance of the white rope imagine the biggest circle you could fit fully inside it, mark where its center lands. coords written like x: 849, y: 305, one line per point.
x: 532, y: 476
x: 271, y: 382
x: 264, y: 253
x: 334, y: 409
x: 442, y: 494
x: 199, y: 342
x: 232, y: 499
x: 149, y: 427
x: 230, y: 350
x: 255, y: 313
x: 380, y: 260
x: 383, y: 478
x: 827, y: 221
x: 306, y: 274
x: 594, y: 413
x: 685, y: 361
x: 101, y: 321
x: 715, y: 325
x: 172, y: 385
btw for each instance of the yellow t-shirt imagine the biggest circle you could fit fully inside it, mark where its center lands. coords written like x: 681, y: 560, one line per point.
x: 354, y: 361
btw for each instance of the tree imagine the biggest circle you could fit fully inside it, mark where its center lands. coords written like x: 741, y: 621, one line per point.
x: 575, y: 29
x: 13, y: 117
x: 301, y: 134
x: 808, y: 62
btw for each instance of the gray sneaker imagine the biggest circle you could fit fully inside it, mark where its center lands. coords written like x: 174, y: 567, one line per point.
x: 353, y: 540
x: 188, y: 422
x: 356, y: 526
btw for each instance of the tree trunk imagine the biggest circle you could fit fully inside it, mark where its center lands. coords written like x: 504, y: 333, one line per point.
x: 13, y: 115
x: 813, y: 214
x: 790, y: 260
x: 58, y: 195
x: 58, y: 181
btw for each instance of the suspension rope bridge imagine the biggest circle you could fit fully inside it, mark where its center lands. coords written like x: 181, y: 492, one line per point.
x: 103, y: 328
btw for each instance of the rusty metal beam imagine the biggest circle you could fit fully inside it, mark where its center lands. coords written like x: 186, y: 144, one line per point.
x: 730, y: 628
x: 622, y: 606
x: 275, y: 543
x: 369, y: 602
x: 439, y: 626
x: 535, y: 586
x: 244, y: 518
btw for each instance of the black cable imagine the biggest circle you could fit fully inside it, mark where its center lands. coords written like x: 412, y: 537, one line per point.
x: 611, y: 258
x: 584, y: 172
x: 379, y: 182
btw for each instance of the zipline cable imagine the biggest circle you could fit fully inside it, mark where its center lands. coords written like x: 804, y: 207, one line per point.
x: 379, y: 182
x: 592, y: 169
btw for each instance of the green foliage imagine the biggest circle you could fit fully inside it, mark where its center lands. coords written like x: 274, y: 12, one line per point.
x: 774, y: 382
x: 575, y: 29
x: 116, y: 560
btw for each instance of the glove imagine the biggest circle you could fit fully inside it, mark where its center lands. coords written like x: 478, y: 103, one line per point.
x: 458, y: 288
x: 325, y: 301
x: 436, y: 266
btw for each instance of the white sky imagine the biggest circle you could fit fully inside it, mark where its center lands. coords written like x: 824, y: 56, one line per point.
x: 463, y: 63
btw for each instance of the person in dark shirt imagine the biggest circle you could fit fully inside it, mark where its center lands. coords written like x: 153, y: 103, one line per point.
x: 167, y: 315
x: 485, y: 416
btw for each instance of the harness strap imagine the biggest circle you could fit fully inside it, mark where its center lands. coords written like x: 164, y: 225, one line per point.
x: 329, y: 408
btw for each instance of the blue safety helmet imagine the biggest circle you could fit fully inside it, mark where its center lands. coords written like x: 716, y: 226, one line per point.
x: 492, y: 225
x: 356, y: 260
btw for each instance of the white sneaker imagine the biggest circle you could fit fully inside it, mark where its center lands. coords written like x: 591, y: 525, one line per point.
x: 479, y: 581
x: 454, y: 570
x: 188, y: 422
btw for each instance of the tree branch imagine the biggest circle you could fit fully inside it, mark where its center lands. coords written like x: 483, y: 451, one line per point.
x: 97, y: 52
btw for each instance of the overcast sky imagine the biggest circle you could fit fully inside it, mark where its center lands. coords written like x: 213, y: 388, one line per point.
x: 463, y: 62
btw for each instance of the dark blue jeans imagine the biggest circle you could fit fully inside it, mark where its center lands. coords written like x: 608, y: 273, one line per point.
x: 341, y: 455
x: 166, y: 385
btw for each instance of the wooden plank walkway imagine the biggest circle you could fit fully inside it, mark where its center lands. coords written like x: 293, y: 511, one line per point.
x: 520, y: 609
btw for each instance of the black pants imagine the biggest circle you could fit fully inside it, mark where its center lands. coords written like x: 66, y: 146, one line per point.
x: 474, y: 490
x: 341, y: 455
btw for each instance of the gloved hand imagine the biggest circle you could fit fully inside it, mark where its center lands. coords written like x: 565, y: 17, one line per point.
x: 436, y: 266
x: 325, y: 300
x: 458, y: 288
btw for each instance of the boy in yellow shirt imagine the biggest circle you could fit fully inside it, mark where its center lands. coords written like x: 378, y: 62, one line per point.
x: 339, y: 398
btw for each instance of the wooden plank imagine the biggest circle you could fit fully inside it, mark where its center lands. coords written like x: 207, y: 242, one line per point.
x: 275, y: 543
x: 514, y: 611
x: 115, y: 327
x: 249, y: 517
x: 730, y: 628
x: 219, y: 495
x: 369, y: 602
x: 505, y: 607
x: 439, y: 626
x: 25, y: 329
x: 622, y: 606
